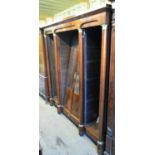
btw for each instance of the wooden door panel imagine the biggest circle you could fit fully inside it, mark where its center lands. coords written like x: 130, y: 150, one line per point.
x: 68, y: 100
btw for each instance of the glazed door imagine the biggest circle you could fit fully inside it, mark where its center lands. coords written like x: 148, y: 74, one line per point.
x: 69, y: 72
x: 72, y: 88
x: 64, y: 55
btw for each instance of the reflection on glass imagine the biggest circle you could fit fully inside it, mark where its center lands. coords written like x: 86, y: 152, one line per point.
x: 41, y: 68
x: 76, y: 88
x: 41, y: 58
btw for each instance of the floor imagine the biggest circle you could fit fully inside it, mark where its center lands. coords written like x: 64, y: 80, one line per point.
x: 41, y: 85
x: 59, y: 136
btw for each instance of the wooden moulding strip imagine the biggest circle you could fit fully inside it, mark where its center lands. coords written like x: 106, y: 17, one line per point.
x: 81, y: 77
x: 107, y: 8
x: 57, y: 66
x: 104, y: 80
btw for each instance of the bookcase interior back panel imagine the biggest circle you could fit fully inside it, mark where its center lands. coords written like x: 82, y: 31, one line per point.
x: 92, y: 60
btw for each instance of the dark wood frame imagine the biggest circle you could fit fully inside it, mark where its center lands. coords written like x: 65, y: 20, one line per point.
x: 110, y: 131
x: 100, y: 17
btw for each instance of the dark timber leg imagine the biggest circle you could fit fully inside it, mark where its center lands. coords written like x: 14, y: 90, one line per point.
x: 46, y: 99
x: 100, y: 148
x: 40, y: 150
x: 106, y: 153
x: 81, y: 130
x: 59, y: 109
x: 51, y: 103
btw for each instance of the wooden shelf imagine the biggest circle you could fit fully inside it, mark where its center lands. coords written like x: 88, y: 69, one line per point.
x: 92, y: 131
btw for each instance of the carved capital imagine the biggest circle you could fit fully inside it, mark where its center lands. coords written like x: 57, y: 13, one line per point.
x: 105, y: 26
x: 80, y: 30
x: 100, y: 142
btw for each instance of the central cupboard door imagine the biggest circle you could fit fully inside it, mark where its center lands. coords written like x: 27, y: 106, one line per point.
x: 69, y: 74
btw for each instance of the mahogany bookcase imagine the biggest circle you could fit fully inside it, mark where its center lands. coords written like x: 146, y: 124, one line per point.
x: 78, y: 65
